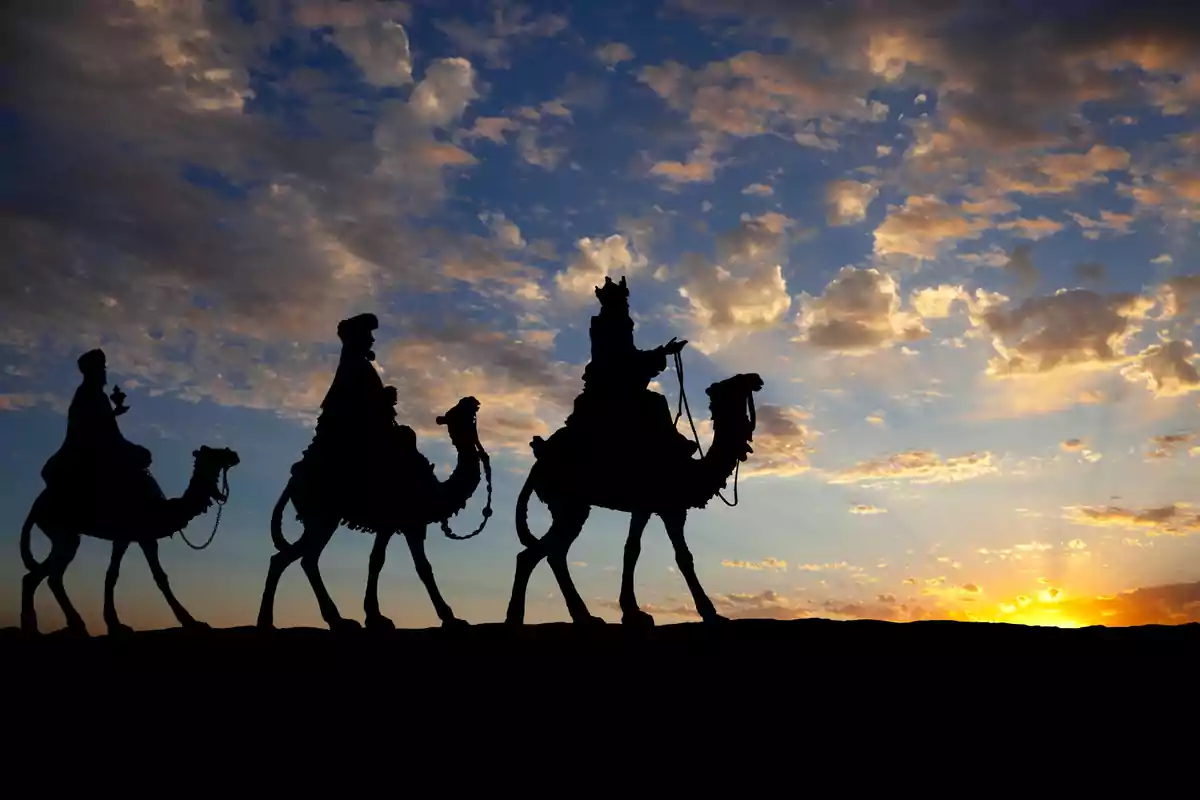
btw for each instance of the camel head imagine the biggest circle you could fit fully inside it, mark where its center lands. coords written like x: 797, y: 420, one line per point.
x: 731, y: 403
x: 460, y: 421
x: 213, y: 463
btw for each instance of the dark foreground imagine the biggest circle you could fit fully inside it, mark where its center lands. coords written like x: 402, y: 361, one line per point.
x: 480, y: 655
x: 759, y: 668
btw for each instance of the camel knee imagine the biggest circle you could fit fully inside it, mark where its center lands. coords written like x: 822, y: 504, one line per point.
x: 33, y: 579
x: 282, y: 560
x: 528, y: 559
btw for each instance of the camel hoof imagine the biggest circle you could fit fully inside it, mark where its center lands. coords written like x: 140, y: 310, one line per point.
x: 636, y: 618
x: 378, y: 622
x: 591, y: 621
x: 714, y: 619
x: 118, y: 630
x: 196, y: 625
x: 344, y: 625
x: 454, y: 623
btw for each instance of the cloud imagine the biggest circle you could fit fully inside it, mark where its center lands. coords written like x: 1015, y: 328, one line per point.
x: 924, y: 226
x: 859, y: 312
x: 743, y: 289
x: 613, y: 53
x: 1071, y: 328
x: 754, y: 94
x: 511, y: 25
x: 1166, y: 445
x: 847, y: 201
x: 1166, y: 369
x: 597, y: 259
x: 864, y: 508
x: 781, y: 442
x: 1169, y: 520
x: 760, y: 189
x: 765, y: 564
x: 379, y: 48
x: 916, y: 466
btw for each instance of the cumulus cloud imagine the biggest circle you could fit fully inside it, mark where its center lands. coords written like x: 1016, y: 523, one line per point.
x: 1071, y: 328
x: 743, y: 289
x: 379, y: 48
x: 924, y: 226
x: 1166, y: 369
x: 595, y: 260
x: 613, y: 53
x: 866, y: 509
x: 859, y: 312
x: 847, y: 201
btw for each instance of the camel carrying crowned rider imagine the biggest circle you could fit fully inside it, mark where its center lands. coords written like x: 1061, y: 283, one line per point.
x: 94, y: 455
x: 616, y: 405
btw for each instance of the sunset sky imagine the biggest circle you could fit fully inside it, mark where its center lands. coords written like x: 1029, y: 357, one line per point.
x: 957, y: 240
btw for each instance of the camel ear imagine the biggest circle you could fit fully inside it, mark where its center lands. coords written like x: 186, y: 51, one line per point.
x: 195, y: 454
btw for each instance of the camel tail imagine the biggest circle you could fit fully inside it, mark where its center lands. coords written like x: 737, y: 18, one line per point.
x: 526, y: 536
x: 277, y: 538
x: 30, y: 562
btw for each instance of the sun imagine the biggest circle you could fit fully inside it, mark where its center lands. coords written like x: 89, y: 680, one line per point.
x: 1050, y: 618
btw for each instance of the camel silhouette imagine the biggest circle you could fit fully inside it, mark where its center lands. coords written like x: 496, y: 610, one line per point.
x: 407, y: 510
x: 570, y: 481
x: 146, y: 518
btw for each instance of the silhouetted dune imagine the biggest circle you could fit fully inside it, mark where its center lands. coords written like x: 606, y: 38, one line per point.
x: 559, y: 685
x: 302, y: 653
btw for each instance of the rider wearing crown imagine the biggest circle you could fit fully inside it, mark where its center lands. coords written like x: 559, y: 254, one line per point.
x: 616, y: 379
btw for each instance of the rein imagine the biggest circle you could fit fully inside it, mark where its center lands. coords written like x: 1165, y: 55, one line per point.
x: 221, y: 501
x: 683, y: 404
x: 487, y: 510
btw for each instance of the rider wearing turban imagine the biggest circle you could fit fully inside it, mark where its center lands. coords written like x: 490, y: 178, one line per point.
x: 94, y: 446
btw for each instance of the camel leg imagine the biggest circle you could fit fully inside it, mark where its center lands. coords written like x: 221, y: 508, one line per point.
x: 115, y: 627
x: 416, y: 545
x: 150, y: 550
x: 65, y: 546
x: 29, y: 586
x: 630, y: 613
x: 675, y: 522
x: 310, y: 563
x: 279, y: 564
x: 61, y: 554
x: 527, y: 561
x: 559, y: 538
x: 374, y: 618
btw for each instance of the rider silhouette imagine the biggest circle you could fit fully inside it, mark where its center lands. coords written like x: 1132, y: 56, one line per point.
x: 355, y: 411
x: 94, y: 449
x: 616, y: 379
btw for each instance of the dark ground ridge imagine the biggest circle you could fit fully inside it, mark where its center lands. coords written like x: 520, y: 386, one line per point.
x: 830, y: 636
